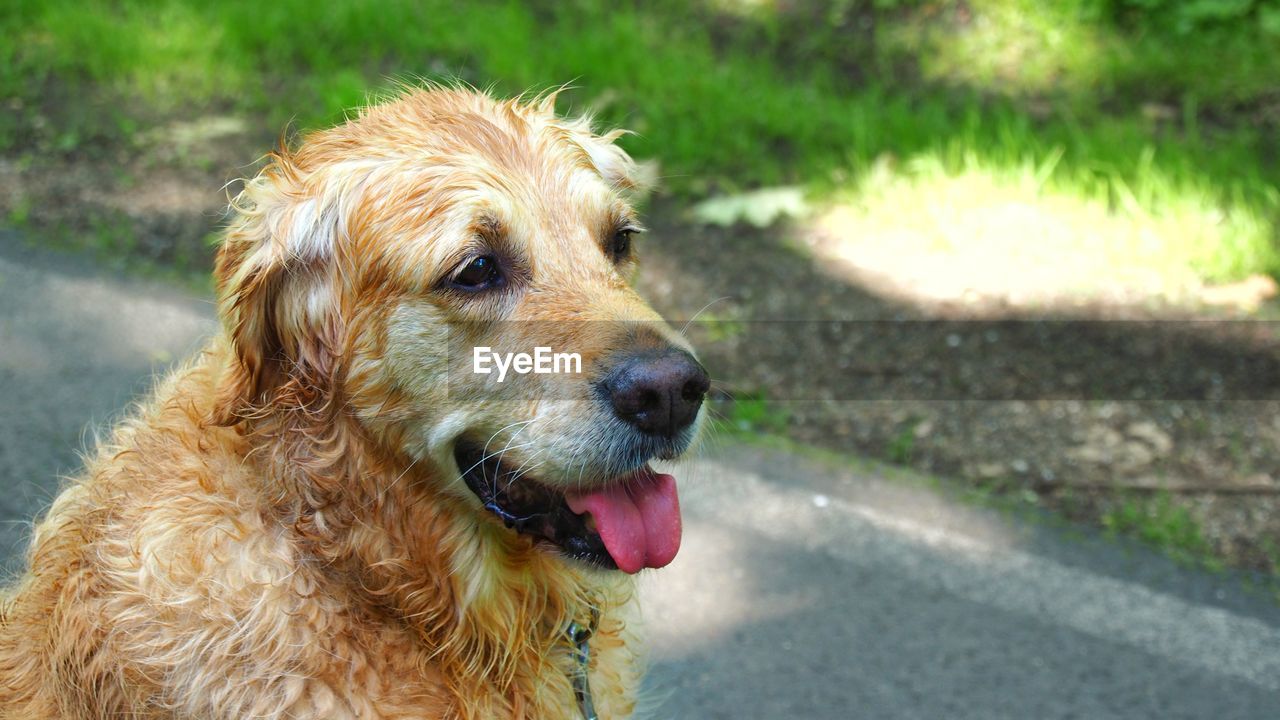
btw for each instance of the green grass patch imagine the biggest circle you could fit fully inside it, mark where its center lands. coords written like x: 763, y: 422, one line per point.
x: 1159, y: 521
x: 1122, y: 51
x: 1135, y: 105
x: 749, y: 415
x: 902, y: 447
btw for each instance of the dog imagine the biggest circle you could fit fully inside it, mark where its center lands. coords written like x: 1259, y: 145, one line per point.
x: 329, y: 512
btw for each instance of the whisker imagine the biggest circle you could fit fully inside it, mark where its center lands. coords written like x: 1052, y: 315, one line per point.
x: 704, y: 308
x: 482, y: 460
x: 519, y: 474
x: 516, y: 474
x: 502, y: 453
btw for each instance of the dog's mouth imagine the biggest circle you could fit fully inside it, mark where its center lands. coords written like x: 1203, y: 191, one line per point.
x: 630, y: 523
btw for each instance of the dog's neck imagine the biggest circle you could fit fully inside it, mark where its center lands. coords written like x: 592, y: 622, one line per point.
x: 491, y: 608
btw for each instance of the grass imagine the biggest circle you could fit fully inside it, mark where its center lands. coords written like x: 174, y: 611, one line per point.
x: 750, y: 415
x: 902, y: 446
x: 1098, y: 101
x: 1145, y: 50
x: 1162, y: 523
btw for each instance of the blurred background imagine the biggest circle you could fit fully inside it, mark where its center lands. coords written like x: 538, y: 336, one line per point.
x: 1026, y: 248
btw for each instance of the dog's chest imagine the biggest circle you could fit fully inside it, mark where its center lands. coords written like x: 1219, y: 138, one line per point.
x: 404, y: 680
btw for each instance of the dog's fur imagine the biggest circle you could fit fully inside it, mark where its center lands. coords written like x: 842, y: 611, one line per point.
x: 280, y: 531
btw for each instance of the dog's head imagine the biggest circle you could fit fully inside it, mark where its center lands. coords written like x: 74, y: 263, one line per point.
x: 452, y: 271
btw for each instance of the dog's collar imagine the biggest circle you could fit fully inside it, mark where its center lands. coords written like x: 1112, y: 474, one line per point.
x: 579, y: 639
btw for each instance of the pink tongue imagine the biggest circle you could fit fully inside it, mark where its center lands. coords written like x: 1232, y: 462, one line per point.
x: 639, y: 520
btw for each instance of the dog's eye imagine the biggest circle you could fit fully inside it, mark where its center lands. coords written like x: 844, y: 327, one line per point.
x: 620, y: 245
x: 478, y: 274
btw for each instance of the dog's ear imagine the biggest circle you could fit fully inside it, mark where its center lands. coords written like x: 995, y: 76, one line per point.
x: 616, y: 167
x: 276, y: 297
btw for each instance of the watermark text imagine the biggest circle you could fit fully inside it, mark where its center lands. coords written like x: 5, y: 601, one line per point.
x: 542, y: 361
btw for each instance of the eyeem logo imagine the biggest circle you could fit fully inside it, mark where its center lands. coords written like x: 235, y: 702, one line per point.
x: 542, y: 362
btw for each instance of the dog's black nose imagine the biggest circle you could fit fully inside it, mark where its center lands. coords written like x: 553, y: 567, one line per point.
x: 657, y: 391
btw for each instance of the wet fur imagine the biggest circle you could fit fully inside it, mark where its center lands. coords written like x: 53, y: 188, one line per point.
x: 277, y: 532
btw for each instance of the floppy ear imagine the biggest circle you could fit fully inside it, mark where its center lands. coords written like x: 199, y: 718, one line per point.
x: 276, y: 298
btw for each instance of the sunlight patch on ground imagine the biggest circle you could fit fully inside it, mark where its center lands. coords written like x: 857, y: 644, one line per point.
x: 981, y: 234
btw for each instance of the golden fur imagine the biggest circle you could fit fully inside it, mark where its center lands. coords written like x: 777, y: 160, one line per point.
x: 279, y: 531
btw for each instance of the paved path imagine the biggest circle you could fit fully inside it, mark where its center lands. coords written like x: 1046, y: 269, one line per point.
x: 804, y: 589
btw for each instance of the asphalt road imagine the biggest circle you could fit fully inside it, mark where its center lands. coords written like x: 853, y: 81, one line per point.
x: 804, y: 589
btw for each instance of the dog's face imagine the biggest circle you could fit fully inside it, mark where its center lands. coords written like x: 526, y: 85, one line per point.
x: 458, y: 269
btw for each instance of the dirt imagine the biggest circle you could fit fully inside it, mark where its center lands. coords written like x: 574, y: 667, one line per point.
x: 1083, y: 410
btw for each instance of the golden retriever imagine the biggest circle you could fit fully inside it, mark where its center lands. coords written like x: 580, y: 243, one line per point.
x: 330, y: 512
